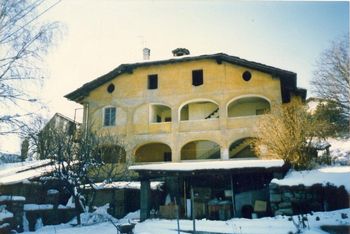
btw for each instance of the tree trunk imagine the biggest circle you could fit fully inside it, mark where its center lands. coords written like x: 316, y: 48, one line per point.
x: 77, y: 208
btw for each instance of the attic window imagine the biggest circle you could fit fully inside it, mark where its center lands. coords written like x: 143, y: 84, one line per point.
x: 197, y: 77
x: 246, y: 75
x: 110, y: 88
x: 153, y: 81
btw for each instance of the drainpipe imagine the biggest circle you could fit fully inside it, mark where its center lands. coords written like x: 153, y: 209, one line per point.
x: 86, y: 119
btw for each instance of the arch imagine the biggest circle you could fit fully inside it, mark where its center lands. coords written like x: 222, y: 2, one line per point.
x: 248, y: 105
x: 200, y: 149
x: 159, y: 113
x: 153, y: 152
x: 242, y: 148
x: 197, y: 109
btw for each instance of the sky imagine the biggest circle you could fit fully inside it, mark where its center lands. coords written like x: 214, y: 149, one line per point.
x: 98, y: 35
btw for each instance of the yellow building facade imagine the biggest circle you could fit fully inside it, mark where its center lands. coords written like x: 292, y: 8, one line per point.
x: 186, y: 108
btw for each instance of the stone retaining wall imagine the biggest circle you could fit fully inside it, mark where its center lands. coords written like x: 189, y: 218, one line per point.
x: 299, y: 199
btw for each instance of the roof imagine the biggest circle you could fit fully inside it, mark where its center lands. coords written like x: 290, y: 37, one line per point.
x: 20, y: 172
x: 288, y: 78
x: 202, y: 167
x: 336, y: 175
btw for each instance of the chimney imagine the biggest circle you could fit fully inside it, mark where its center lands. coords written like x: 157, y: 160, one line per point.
x: 180, y: 52
x: 146, y: 53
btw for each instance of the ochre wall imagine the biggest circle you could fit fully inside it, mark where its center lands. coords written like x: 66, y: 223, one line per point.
x: 223, y: 84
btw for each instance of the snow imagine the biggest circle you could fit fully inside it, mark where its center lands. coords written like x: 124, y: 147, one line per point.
x: 11, y: 198
x: 20, y: 166
x: 340, y: 150
x: 210, y: 165
x: 126, y: 185
x: 336, y: 175
x: 4, y: 214
x: 52, y: 191
x: 21, y: 172
x: 29, y: 207
x: 267, y: 225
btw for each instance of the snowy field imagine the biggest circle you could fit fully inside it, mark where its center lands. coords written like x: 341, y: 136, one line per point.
x: 275, y: 225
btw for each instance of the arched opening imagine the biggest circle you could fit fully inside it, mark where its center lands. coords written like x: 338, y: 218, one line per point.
x: 202, y: 149
x: 153, y: 152
x: 247, y: 106
x: 198, y: 110
x: 160, y: 113
x: 112, y: 154
x: 242, y: 148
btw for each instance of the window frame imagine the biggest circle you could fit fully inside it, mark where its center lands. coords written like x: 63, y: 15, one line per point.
x: 110, y: 124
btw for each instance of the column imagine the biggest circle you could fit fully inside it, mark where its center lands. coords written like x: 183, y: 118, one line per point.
x: 225, y: 153
x: 145, y: 199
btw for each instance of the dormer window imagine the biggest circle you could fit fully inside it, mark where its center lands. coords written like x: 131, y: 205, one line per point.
x: 153, y: 81
x: 197, y: 77
x: 109, y: 116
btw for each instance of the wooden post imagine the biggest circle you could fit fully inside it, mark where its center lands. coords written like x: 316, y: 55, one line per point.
x: 185, y: 199
x: 177, y: 216
x: 193, y: 210
x: 233, y: 198
x: 145, y: 199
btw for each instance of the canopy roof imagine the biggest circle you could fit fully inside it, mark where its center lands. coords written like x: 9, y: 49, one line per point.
x: 210, y: 167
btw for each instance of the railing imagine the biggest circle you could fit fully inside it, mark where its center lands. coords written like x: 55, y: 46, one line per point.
x: 199, y: 125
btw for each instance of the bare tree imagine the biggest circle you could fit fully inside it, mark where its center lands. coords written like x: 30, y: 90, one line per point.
x: 24, y: 39
x: 331, y: 79
x: 79, y: 160
x: 289, y: 132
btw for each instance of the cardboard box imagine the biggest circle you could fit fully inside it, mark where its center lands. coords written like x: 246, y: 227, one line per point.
x: 167, y: 212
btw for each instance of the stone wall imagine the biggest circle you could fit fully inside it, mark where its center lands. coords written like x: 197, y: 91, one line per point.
x: 14, y: 204
x: 299, y: 199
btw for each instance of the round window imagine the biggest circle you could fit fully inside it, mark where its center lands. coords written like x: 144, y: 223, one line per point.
x: 246, y: 75
x: 110, y: 88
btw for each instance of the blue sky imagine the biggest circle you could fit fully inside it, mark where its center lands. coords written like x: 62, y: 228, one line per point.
x: 98, y: 35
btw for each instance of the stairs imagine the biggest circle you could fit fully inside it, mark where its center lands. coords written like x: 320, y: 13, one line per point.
x: 214, y: 114
x: 244, y: 144
x: 208, y: 154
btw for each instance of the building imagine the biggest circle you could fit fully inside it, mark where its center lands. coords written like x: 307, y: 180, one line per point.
x: 190, y: 120
x: 58, y: 124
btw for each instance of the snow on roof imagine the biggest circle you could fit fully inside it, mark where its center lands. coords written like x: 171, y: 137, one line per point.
x: 210, y: 165
x: 11, y: 198
x: 28, y: 207
x: 10, y: 168
x: 338, y: 175
x: 155, y: 185
x: 25, y: 171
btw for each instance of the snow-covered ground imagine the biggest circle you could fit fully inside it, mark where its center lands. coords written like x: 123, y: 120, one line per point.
x: 275, y: 225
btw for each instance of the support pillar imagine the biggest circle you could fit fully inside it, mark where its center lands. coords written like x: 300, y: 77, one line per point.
x: 145, y: 199
x: 225, y: 154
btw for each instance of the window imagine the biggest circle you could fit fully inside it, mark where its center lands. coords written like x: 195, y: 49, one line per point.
x: 110, y: 88
x: 153, y: 81
x: 246, y: 75
x: 109, y: 116
x: 197, y: 77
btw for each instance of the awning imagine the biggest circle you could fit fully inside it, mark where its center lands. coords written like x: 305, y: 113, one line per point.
x: 205, y: 167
